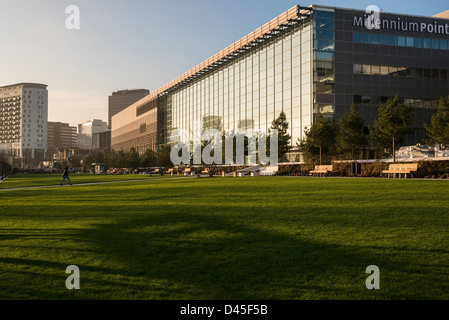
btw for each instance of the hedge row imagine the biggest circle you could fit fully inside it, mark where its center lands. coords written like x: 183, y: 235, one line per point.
x: 426, y: 169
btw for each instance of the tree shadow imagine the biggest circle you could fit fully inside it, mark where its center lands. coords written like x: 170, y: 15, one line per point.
x: 215, y: 257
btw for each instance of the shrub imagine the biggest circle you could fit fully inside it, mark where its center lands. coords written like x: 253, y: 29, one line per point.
x: 373, y: 169
x: 432, y: 168
x: 341, y: 169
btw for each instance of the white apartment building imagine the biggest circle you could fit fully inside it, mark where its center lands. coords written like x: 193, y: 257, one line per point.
x: 23, y: 123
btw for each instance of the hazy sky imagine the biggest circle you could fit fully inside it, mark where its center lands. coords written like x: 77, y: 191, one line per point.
x: 132, y: 44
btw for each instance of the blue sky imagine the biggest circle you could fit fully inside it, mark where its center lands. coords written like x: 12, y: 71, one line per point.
x: 132, y: 44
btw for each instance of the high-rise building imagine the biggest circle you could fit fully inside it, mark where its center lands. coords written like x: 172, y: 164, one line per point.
x: 101, y: 141
x: 86, y: 131
x: 60, y: 136
x: 23, y: 123
x: 306, y: 62
x: 122, y: 99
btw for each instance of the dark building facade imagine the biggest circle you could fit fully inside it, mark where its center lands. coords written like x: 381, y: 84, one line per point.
x: 60, y: 136
x: 308, y: 61
x: 406, y: 56
x: 101, y: 141
x: 122, y: 99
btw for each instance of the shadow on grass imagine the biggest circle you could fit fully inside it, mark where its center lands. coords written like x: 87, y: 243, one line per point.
x: 216, y: 258
x: 176, y: 255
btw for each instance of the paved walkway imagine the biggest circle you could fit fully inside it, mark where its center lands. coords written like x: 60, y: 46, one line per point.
x: 91, y: 183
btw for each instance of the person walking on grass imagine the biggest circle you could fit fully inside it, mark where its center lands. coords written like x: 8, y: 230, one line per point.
x: 65, y: 175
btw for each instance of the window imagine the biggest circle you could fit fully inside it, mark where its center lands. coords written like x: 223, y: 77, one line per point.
x: 324, y: 23
x: 325, y: 45
x: 366, y: 38
x: 366, y: 69
x: 384, y: 70
x: 443, y: 45
x: 375, y: 39
x: 357, y: 69
x: 324, y: 56
x: 366, y: 99
x: 435, y: 44
x: 393, y: 71
x: 393, y: 40
x: 402, y: 72
x: 443, y: 74
x: 410, y: 42
x: 418, y: 72
x: 410, y: 72
x: 427, y: 43
x: 384, y: 100
x: 384, y: 39
x: 325, y: 34
x: 357, y: 37
x: 401, y: 41
x: 324, y: 14
x: 427, y: 73
x: 375, y: 70
x: 418, y: 42
x: 435, y: 73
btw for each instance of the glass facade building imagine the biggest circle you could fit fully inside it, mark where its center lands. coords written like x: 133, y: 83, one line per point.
x: 251, y: 91
x: 308, y: 61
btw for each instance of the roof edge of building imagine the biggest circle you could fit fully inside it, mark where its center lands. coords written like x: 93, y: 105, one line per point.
x: 27, y: 84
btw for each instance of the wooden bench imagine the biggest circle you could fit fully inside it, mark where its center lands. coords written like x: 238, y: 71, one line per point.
x: 401, y: 168
x: 269, y: 171
x: 188, y: 172
x: 322, y: 169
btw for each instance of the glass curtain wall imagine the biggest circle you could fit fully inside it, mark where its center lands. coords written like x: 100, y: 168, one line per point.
x: 324, y: 47
x: 250, y: 92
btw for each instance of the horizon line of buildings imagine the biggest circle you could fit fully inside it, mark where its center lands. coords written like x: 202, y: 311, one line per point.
x: 307, y: 61
x: 27, y: 138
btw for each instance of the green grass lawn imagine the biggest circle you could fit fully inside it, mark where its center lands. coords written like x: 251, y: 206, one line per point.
x: 34, y: 180
x: 227, y: 238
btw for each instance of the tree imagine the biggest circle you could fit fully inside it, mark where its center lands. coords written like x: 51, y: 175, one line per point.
x: 281, y: 124
x: 351, y: 137
x: 163, y: 158
x: 392, y: 124
x: 112, y: 159
x: 438, y: 130
x: 320, y: 139
x: 148, y: 159
x: 87, y: 162
x: 121, y: 161
x: 76, y: 161
x: 133, y: 159
x: 380, y: 143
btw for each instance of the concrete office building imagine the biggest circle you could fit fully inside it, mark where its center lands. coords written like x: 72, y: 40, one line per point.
x: 308, y: 61
x: 23, y: 123
x: 86, y: 131
x: 60, y: 136
x: 122, y: 99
